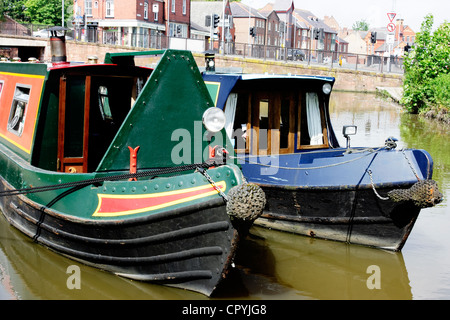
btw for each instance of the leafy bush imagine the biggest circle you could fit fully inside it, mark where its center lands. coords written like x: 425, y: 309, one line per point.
x: 429, y: 59
x: 441, y: 91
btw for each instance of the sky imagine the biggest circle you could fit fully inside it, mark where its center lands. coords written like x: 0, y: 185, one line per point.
x: 346, y: 12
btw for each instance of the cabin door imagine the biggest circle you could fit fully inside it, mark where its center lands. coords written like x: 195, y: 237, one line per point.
x: 74, y: 103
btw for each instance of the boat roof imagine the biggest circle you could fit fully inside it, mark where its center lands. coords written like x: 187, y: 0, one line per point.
x: 256, y: 76
x: 221, y: 84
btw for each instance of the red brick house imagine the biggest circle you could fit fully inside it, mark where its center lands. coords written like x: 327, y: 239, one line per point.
x: 178, y: 17
x: 140, y: 23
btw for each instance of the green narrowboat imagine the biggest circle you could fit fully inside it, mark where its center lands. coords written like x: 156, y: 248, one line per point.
x: 122, y: 167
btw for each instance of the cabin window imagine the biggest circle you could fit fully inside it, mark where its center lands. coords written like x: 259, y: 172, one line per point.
x: 18, y: 109
x: 276, y: 122
x: 103, y: 101
x: 241, y: 118
x: 313, y: 118
x: 1, y: 88
x: 311, y: 131
x: 263, y: 109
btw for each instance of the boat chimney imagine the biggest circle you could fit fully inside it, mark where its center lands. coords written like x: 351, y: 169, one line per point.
x: 58, y: 45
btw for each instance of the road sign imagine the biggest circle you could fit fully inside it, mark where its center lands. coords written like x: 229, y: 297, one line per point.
x: 390, y: 38
x: 391, y: 16
x: 391, y: 27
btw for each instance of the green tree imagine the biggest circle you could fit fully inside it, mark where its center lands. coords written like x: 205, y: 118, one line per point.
x: 428, y: 59
x: 362, y: 25
x: 14, y: 9
x: 47, y: 11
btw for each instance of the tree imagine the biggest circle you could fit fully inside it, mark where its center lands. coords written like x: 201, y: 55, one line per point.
x: 362, y: 25
x: 14, y: 9
x: 428, y: 60
x: 46, y: 11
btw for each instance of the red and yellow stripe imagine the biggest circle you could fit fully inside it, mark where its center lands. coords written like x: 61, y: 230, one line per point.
x: 110, y: 205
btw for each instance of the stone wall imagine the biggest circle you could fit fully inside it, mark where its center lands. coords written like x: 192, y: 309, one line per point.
x: 346, y: 80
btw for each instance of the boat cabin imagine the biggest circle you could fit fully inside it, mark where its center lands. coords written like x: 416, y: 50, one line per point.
x: 274, y: 114
x: 64, y: 118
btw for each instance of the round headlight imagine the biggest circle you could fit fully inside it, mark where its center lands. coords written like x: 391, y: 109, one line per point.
x: 326, y: 88
x: 214, y: 119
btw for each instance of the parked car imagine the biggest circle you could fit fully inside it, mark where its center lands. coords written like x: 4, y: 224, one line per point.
x: 296, y: 54
x: 45, y: 33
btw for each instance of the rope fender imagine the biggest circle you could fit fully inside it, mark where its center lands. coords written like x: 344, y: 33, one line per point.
x: 423, y: 193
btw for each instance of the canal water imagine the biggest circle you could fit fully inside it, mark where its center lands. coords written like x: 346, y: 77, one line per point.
x: 281, y: 266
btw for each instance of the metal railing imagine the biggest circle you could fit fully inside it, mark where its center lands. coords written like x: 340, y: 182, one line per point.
x: 332, y: 59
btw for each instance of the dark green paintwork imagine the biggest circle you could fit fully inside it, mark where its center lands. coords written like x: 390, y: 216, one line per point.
x: 174, y: 97
x: 38, y: 69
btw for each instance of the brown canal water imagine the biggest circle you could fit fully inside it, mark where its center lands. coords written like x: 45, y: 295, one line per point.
x: 281, y: 266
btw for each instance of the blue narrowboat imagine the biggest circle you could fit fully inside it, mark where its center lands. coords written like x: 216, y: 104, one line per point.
x: 281, y: 130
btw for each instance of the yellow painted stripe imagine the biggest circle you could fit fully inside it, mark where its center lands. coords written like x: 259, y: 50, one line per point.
x: 23, y: 75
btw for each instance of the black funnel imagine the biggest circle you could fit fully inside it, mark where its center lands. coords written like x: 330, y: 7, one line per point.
x: 58, y: 44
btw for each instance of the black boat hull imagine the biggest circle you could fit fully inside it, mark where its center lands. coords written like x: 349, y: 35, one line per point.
x: 190, y: 248
x: 347, y: 215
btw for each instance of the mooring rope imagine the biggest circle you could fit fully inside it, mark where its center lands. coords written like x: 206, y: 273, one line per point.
x: 124, y: 176
x: 369, y: 150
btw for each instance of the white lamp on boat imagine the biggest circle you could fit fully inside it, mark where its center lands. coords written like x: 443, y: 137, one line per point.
x: 214, y: 119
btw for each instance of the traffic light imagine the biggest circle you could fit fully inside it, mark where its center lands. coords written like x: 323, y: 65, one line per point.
x: 207, y: 21
x: 252, y: 31
x: 373, y: 37
x: 216, y: 20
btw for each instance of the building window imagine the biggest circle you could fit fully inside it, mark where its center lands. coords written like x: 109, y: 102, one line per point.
x: 88, y: 7
x: 146, y: 10
x: 110, y: 8
x: 155, y: 12
x: 184, y: 6
x: 173, y: 6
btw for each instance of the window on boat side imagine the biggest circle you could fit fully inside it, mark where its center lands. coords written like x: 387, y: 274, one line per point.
x: 272, y: 122
x: 18, y: 109
x: 1, y: 88
x: 311, y: 130
x: 264, y: 122
x: 237, y: 112
x: 103, y: 101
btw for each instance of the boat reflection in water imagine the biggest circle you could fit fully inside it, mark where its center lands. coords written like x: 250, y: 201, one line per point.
x: 29, y: 272
x: 322, y: 269
x: 271, y: 265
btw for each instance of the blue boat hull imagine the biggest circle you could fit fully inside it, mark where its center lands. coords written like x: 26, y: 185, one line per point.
x: 329, y: 194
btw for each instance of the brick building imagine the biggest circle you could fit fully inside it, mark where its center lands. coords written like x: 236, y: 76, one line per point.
x: 140, y: 23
